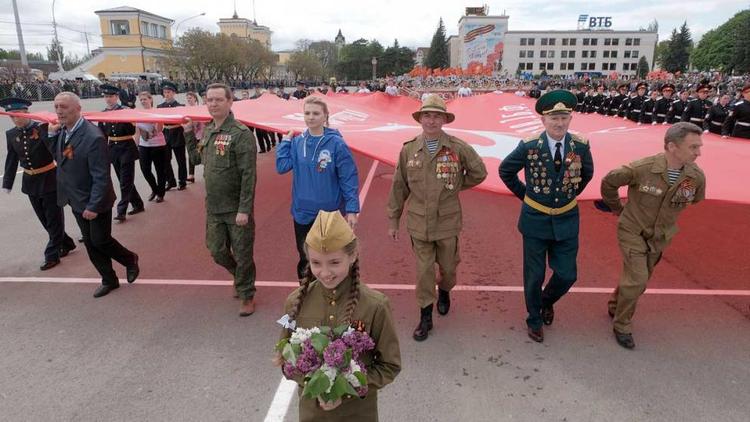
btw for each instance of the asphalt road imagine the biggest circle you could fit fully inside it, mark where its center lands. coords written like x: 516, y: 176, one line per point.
x: 164, y: 350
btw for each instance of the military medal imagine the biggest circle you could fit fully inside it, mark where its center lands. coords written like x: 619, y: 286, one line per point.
x: 546, y: 190
x: 536, y: 189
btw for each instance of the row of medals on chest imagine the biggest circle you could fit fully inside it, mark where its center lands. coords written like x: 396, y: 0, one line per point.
x: 446, y: 168
x: 539, y: 173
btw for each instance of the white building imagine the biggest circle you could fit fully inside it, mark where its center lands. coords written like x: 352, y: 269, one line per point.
x: 480, y: 38
x: 579, y: 52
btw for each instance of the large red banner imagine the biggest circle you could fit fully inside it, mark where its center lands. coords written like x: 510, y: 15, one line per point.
x: 377, y: 125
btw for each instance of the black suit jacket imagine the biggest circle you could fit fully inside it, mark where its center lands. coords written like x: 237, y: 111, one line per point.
x: 127, y: 99
x: 83, y: 176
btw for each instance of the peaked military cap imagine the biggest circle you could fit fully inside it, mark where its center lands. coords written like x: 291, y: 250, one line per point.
x: 559, y: 101
x: 703, y: 86
x: 108, y: 89
x: 667, y: 87
x: 621, y: 86
x: 169, y: 85
x: 640, y: 85
x: 14, y: 104
x: 329, y: 233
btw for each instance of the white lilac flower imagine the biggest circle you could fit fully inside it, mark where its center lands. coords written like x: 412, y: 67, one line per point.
x: 331, y: 374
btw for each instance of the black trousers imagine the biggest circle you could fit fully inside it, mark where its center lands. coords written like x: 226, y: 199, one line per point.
x: 102, y: 248
x: 53, y: 220
x: 128, y: 193
x: 157, y: 156
x: 264, y: 140
x: 300, y: 233
x: 179, y: 155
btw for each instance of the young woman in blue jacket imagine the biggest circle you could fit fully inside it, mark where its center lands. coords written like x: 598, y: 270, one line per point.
x: 324, y: 175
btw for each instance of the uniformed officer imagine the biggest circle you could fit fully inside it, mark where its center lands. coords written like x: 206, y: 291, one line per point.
x: 738, y: 120
x: 647, y: 109
x: 127, y: 97
x: 123, y: 152
x: 175, y: 137
x: 663, y: 103
x: 432, y: 169
x: 595, y: 100
x: 677, y: 107
x: 716, y: 116
x: 557, y: 167
x: 228, y: 154
x: 635, y: 105
x: 606, y: 100
x: 696, y: 109
x: 300, y: 93
x: 625, y: 104
x: 659, y: 188
x: 26, y: 147
x: 616, y: 102
x: 581, y: 98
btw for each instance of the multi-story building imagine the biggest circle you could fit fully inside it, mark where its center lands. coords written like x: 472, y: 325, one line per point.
x: 245, y: 29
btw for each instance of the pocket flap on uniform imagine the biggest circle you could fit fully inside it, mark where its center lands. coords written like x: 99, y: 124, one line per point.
x: 415, y: 210
x: 449, y: 209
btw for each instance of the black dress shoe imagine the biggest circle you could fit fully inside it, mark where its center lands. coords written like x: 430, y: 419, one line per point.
x: 536, y: 335
x: 444, y: 302
x: 120, y: 217
x: 65, y: 250
x: 104, y: 290
x: 48, y: 264
x: 624, y: 340
x: 133, y: 270
x: 190, y: 179
x: 171, y: 185
x: 182, y: 187
x: 548, y: 315
x: 159, y: 199
x: 137, y: 210
x: 152, y: 196
x: 425, y: 324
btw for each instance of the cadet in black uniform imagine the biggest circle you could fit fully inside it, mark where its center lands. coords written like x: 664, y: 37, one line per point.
x: 676, y: 108
x: 616, y: 101
x: 661, y: 108
x: 596, y: 100
x: 716, y: 116
x: 581, y: 98
x: 606, y: 102
x: 737, y: 123
x: 26, y: 147
x: 635, y: 105
x: 647, y: 109
x: 123, y: 152
x: 300, y: 93
x: 696, y: 109
x: 175, y: 137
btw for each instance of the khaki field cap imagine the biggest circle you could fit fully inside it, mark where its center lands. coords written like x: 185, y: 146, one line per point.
x: 434, y: 103
x: 329, y: 233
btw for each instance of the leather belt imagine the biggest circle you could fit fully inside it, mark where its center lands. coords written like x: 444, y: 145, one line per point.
x: 742, y: 124
x: 40, y: 170
x: 661, y: 115
x: 121, y: 138
x: 649, y: 113
x: 714, y: 122
x: 549, y: 210
x: 171, y: 126
x: 636, y: 111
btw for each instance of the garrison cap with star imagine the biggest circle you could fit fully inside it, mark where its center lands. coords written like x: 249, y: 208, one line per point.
x: 329, y: 233
x: 15, y: 104
x: 168, y: 85
x: 559, y: 101
x: 108, y: 89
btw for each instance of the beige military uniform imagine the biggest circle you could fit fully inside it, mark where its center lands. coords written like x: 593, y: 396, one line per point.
x: 325, y: 307
x: 431, y: 184
x: 647, y: 223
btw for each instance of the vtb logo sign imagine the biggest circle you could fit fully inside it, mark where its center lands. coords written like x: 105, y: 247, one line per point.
x: 595, y: 21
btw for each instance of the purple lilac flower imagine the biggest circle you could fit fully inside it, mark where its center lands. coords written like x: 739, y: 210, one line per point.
x: 308, y: 361
x: 289, y: 370
x: 360, y: 342
x: 362, y: 391
x: 334, y: 353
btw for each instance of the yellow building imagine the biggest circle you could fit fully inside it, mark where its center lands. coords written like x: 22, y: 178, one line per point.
x: 245, y: 29
x: 133, y: 41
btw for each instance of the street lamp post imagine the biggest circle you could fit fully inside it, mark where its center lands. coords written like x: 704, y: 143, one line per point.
x: 374, y: 67
x: 177, y: 27
x: 57, y: 41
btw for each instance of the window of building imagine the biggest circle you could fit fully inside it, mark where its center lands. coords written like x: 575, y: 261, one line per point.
x: 542, y: 66
x: 615, y: 41
x: 523, y: 41
x: 633, y: 66
x: 531, y: 41
x: 144, y: 28
x: 605, y: 54
x: 627, y: 54
x: 552, y: 41
x: 153, y: 30
x: 592, y: 54
x: 608, y: 41
x: 634, y: 54
x: 584, y: 66
x: 551, y: 54
x: 626, y: 66
x: 544, y: 41
x: 564, y: 41
x: 543, y: 54
x: 628, y: 41
x: 162, y: 31
x: 591, y: 66
x: 119, y: 27
x: 586, y: 41
x: 572, y: 41
x: 522, y: 54
x: 550, y: 66
x: 571, y: 66
x: 594, y: 41
x: 564, y: 54
x: 585, y: 54
x: 529, y: 66
x: 636, y: 41
x: 613, y: 54
x: 571, y: 54
x: 530, y: 54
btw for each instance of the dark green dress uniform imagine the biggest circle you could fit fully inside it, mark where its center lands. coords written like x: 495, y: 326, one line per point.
x: 26, y: 147
x: 327, y: 307
x: 123, y: 152
x: 228, y: 155
x: 549, y: 217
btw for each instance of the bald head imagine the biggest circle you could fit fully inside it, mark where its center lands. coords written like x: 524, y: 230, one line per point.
x: 67, y: 108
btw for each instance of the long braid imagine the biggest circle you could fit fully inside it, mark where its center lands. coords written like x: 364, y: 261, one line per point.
x: 304, y: 289
x: 353, y: 292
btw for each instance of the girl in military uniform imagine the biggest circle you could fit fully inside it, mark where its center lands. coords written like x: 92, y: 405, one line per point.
x: 332, y: 295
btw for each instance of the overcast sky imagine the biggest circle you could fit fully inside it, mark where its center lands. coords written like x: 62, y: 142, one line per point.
x: 412, y: 22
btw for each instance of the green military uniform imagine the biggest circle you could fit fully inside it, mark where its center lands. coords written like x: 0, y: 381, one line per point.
x: 431, y: 183
x: 327, y: 307
x: 228, y: 155
x: 647, y: 223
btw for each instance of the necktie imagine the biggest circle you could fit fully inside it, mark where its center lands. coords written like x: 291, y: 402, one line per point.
x: 558, y: 156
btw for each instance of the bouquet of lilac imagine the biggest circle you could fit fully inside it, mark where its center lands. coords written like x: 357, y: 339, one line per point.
x: 328, y: 359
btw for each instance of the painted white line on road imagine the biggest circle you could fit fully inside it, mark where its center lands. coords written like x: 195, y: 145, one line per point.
x: 366, y: 187
x: 294, y: 284
x: 280, y: 404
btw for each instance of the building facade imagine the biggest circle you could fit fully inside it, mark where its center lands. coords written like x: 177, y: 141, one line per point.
x: 481, y: 38
x: 133, y: 41
x: 245, y: 29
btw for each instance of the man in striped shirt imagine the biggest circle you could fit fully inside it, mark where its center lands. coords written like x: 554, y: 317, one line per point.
x: 659, y: 188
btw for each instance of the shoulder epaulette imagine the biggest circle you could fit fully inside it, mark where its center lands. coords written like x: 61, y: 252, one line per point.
x: 579, y: 139
x: 647, y: 161
x: 739, y: 102
x: 531, y: 139
x: 676, y: 101
x: 410, y: 140
x: 241, y: 126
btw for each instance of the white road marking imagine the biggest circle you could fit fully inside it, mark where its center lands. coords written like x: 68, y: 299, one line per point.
x: 366, y: 187
x: 294, y: 284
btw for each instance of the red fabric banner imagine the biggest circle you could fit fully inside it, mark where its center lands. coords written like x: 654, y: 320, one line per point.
x: 377, y: 125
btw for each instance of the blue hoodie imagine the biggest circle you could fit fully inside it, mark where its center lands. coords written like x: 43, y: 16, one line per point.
x: 324, y: 177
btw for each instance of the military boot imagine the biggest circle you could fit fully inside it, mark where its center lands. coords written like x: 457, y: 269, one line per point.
x: 425, y: 324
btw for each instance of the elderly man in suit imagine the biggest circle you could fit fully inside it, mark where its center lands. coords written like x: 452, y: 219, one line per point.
x: 84, y: 183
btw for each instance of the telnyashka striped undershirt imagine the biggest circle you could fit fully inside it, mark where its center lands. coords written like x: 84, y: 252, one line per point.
x: 673, y: 175
x: 432, y: 146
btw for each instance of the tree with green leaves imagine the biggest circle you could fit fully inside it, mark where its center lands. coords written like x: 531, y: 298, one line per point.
x: 741, y: 63
x: 642, y: 69
x: 722, y: 48
x: 661, y: 53
x: 396, y: 60
x: 677, y: 56
x: 305, y: 65
x: 439, y: 55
